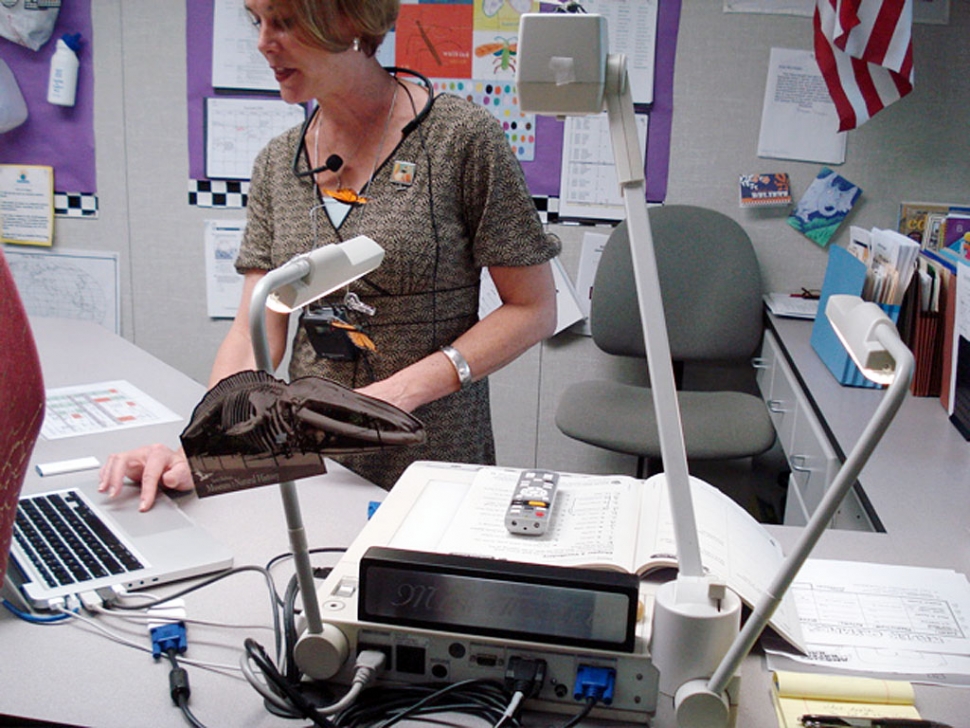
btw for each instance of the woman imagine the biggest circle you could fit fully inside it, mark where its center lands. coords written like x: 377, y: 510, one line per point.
x: 435, y: 183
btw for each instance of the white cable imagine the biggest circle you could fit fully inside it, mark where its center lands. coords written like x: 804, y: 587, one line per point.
x: 511, y: 708
x: 141, y: 618
x: 227, y: 669
x: 368, y: 663
x: 260, y: 687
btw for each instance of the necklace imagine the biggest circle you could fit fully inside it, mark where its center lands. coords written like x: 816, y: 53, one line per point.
x: 346, y: 194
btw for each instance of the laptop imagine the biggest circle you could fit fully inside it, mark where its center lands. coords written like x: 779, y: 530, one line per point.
x: 111, y: 544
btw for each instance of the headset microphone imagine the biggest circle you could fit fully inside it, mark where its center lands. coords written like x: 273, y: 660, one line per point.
x: 334, y: 162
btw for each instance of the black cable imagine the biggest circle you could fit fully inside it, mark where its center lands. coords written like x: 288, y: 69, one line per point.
x: 279, y: 558
x: 290, y: 636
x: 384, y: 706
x: 178, y: 680
x: 587, y: 709
x: 303, y: 706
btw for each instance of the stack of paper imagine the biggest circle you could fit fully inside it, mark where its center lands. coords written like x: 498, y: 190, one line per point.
x: 874, y: 619
x: 892, y: 260
x: 791, y: 305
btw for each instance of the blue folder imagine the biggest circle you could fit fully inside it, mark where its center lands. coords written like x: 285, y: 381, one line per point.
x: 845, y: 274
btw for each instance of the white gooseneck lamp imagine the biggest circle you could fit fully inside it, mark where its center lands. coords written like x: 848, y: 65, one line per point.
x: 564, y: 69
x: 294, y: 284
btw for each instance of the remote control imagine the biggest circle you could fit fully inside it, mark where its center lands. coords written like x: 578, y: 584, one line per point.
x: 531, y: 507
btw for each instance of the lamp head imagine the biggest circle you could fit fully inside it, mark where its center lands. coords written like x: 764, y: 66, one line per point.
x: 561, y: 68
x: 327, y: 268
x: 857, y: 324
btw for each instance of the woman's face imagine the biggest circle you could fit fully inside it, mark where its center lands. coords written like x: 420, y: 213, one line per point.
x: 301, y: 70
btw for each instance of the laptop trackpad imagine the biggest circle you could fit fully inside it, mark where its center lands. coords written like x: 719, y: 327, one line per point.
x: 164, y: 515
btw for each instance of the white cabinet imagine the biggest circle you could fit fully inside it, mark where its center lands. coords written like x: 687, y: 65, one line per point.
x: 812, y: 459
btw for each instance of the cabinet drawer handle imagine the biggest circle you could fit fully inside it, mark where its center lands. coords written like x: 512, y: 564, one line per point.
x: 760, y: 362
x: 799, y: 463
x: 776, y: 406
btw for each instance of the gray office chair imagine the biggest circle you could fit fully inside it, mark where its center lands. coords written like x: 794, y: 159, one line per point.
x: 711, y: 286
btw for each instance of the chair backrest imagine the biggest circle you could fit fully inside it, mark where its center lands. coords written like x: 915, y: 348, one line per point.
x: 710, y: 283
x: 21, y: 403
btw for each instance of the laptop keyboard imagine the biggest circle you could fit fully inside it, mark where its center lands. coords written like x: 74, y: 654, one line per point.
x: 68, y: 542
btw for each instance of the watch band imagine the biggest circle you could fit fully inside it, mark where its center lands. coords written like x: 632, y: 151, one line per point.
x: 461, y: 366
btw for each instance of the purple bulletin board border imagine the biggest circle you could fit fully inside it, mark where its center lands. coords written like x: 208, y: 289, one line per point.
x: 61, y: 137
x: 542, y: 173
x: 662, y: 111
x: 198, y: 36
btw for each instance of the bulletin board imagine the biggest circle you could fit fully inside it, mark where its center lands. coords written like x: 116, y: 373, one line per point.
x: 467, y: 48
x: 61, y: 137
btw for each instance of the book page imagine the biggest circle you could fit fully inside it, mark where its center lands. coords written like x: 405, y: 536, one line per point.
x: 594, y: 522
x: 734, y: 546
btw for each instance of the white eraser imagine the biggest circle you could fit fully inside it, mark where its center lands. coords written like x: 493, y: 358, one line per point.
x: 68, y: 466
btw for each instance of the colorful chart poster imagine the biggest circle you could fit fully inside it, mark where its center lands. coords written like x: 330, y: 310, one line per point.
x: 435, y: 39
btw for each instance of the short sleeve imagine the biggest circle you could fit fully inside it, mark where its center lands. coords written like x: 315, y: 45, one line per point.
x: 501, y: 215
x: 256, y: 248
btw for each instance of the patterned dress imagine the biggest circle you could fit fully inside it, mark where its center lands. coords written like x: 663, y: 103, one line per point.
x: 466, y: 207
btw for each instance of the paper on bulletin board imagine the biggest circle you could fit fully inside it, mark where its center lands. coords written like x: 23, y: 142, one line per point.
x: 924, y: 11
x: 236, y: 61
x: 588, y: 187
x: 798, y: 119
x: 236, y: 129
x: 632, y: 28
x: 74, y: 284
x: 26, y: 204
x: 801, y: 8
x: 223, y: 285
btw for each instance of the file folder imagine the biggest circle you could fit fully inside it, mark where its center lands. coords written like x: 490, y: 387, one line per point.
x: 844, y: 274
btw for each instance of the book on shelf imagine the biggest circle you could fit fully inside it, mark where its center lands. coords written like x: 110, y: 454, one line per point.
x: 955, y: 236
x: 939, y: 228
x: 615, y: 522
x: 916, y: 220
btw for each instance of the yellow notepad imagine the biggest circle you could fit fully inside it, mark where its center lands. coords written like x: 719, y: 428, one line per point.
x: 796, y: 694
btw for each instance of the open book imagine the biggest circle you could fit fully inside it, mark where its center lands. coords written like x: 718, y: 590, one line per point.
x: 614, y: 522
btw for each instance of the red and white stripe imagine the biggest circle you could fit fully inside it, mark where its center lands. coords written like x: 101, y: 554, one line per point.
x: 864, y: 50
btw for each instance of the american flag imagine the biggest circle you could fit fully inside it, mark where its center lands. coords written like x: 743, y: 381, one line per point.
x: 864, y: 50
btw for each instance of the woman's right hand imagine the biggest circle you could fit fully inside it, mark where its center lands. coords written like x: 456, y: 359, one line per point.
x: 151, y: 466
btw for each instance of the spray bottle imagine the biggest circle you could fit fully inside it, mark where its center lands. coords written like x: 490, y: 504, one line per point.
x: 62, y: 86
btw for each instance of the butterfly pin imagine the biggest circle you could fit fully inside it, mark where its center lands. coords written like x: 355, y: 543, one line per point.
x: 356, y: 336
x: 347, y: 196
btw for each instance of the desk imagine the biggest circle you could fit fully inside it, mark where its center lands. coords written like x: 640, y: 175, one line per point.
x: 67, y: 673
x: 918, y: 478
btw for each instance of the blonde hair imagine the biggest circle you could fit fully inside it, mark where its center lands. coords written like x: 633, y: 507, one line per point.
x: 335, y: 25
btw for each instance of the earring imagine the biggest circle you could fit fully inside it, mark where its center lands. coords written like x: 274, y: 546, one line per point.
x: 356, y: 44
